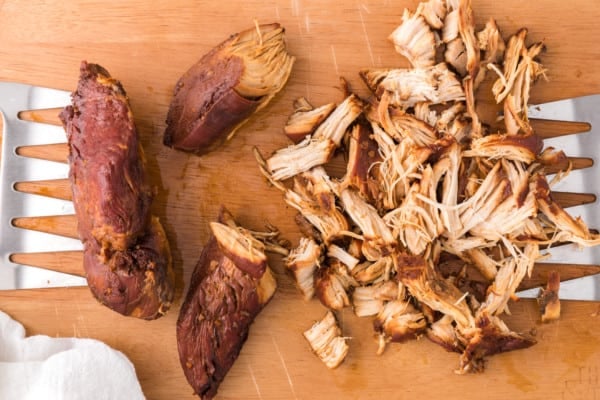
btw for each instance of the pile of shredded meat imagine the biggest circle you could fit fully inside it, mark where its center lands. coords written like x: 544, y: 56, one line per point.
x: 430, y: 191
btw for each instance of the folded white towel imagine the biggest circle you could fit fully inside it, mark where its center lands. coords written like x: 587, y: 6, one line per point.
x: 41, y: 367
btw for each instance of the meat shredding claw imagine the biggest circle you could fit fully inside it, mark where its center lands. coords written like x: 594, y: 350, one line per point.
x: 14, y: 168
x: 582, y: 144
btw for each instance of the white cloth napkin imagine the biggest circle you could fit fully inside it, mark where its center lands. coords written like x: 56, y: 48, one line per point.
x: 41, y: 367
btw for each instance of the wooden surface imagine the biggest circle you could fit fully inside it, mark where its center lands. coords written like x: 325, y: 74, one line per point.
x: 147, y: 45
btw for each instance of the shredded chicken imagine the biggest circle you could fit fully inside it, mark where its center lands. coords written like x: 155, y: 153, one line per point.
x: 335, y: 251
x: 490, y: 336
x: 370, y: 300
x: 415, y: 40
x: 362, y: 154
x: 466, y: 29
x: 300, y: 157
x: 456, y: 55
x: 333, y: 283
x: 406, y: 87
x: 436, y: 220
x: 378, y: 238
x: 398, y: 321
x: 431, y: 289
x: 450, y: 30
x: 492, y: 44
x: 317, y: 149
x: 513, y: 85
x: 326, y: 341
x: 548, y: 298
x: 443, y: 333
x: 303, y: 261
x: 305, y: 119
x: 373, y: 271
x: 434, y: 12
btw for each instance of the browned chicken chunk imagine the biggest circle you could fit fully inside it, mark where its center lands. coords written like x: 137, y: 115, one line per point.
x: 127, y: 258
x: 226, y: 86
x: 221, y: 304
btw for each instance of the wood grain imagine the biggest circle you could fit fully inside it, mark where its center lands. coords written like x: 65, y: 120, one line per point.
x: 549, y: 129
x: 571, y: 162
x: 567, y: 199
x: 148, y: 48
x: 64, y: 225
x: 55, y: 152
x: 69, y: 262
x: 539, y: 276
x: 45, y: 115
x: 58, y: 188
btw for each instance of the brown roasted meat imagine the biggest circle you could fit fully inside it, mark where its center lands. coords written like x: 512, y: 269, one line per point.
x: 220, y: 305
x: 127, y: 258
x: 229, y: 83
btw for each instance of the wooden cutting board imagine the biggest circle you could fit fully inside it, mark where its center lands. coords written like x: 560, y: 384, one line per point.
x: 147, y: 45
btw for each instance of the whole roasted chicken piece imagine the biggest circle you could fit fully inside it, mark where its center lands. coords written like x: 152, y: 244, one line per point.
x: 127, y: 258
x: 227, y: 85
x: 229, y: 287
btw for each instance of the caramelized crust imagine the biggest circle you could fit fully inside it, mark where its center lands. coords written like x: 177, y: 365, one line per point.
x: 204, y: 105
x: 227, y: 85
x: 127, y: 258
x: 215, y: 318
x: 107, y: 172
